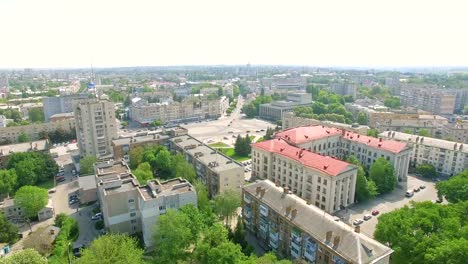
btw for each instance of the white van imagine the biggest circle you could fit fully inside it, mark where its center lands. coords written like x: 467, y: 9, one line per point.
x: 409, y: 193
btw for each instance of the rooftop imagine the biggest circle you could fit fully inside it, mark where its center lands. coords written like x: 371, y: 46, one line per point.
x: 325, y: 164
x: 354, y: 247
x: 154, y: 188
x: 112, y: 168
x: 205, y: 154
x: 87, y: 182
x: 428, y: 141
x: 305, y: 134
x: 39, y: 145
x: 139, y: 139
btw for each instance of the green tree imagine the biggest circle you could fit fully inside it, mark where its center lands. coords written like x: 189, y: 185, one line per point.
x: 426, y: 170
x: 182, y: 169
x: 8, y: 181
x: 226, y: 204
x: 250, y: 110
x: 143, y: 173
x: 163, y: 162
x: 8, y: 231
x: 454, y: 189
x: 87, y: 165
x: 156, y: 123
x: 25, y: 256
x: 36, y: 115
x: 23, y: 137
x: 203, y: 201
x: 362, y: 118
x: 382, y: 173
x: 111, y: 249
x: 32, y: 199
x: 392, y: 102
x: 424, y: 132
x: 220, y: 91
x: 373, y: 133
x: 407, y: 131
x: 422, y: 233
x: 365, y: 189
x: 319, y: 108
x: 136, y: 156
x: 312, y: 89
x: 172, y: 236
x: 32, y: 167
x: 269, y: 133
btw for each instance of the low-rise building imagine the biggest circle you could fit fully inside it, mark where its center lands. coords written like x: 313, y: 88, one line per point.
x: 456, y: 132
x: 123, y: 146
x: 341, y: 143
x: 448, y: 157
x: 15, y: 213
x: 60, y: 104
x: 128, y: 207
x: 60, y: 117
x: 36, y: 131
x: 7, y: 150
x: 288, y: 226
x: 326, y: 182
x: 87, y: 191
x: 290, y: 120
x: 275, y: 110
x: 217, y: 171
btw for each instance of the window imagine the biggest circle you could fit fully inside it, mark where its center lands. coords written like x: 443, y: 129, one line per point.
x: 132, y: 214
x: 133, y: 221
x: 162, y: 207
x: 131, y: 200
x: 324, y: 181
x: 319, y: 180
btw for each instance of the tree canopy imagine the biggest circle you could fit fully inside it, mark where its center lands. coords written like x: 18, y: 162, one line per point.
x: 23, y: 137
x: 143, y: 173
x: 226, y: 204
x: 32, y: 168
x: 426, y: 170
x: 382, y: 173
x: 8, y: 181
x: 365, y: 189
x: 454, y: 189
x: 112, y: 249
x: 426, y: 233
x: 25, y: 256
x: 36, y: 115
x: 87, y: 165
x: 32, y: 199
x: 8, y: 231
x: 242, y: 145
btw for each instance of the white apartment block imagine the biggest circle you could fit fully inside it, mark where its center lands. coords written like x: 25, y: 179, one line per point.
x: 290, y: 120
x: 95, y: 127
x: 448, y: 157
x: 288, y: 226
x: 217, y: 171
x: 456, y: 132
x: 341, y: 143
x: 326, y: 182
x: 128, y: 207
x: 35, y: 131
x: 193, y: 108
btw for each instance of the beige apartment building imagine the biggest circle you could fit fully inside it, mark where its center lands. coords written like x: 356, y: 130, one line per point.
x: 96, y: 126
x: 217, y: 171
x: 325, y: 182
x: 288, y: 226
x: 341, y: 143
x: 128, y: 207
x: 456, y: 132
x: 192, y: 108
x: 448, y: 157
x: 34, y: 131
x: 436, y: 101
x: 290, y: 120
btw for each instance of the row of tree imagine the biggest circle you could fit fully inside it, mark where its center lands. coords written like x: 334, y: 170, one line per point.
x: 242, y: 146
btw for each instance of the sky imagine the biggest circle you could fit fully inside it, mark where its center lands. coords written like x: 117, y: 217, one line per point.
x: 108, y: 33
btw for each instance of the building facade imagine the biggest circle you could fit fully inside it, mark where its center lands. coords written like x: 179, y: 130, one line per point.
x: 60, y: 104
x: 448, y: 157
x: 456, y: 132
x: 96, y: 126
x: 344, y: 89
x: 435, y: 101
x: 128, y: 207
x: 288, y: 226
x: 7, y: 150
x: 341, y: 143
x: 36, y: 131
x: 290, y: 120
x: 217, y: 171
x: 275, y: 110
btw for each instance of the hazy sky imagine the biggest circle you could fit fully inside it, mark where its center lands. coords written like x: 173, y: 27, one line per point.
x: 76, y: 33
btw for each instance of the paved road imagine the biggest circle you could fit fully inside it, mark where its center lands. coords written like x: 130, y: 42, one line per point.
x: 388, y: 203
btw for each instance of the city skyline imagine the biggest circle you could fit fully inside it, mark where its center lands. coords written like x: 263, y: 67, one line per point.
x: 76, y: 34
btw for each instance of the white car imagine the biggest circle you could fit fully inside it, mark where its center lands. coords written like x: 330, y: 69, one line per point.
x: 358, y: 221
x: 367, y: 217
x: 97, y: 216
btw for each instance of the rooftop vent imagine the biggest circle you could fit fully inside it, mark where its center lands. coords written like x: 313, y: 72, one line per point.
x: 325, y: 167
x: 328, y: 237
x: 281, y: 149
x: 293, y: 213
x: 380, y: 139
x: 258, y: 189
x: 336, y: 241
x: 285, y: 190
x: 288, y: 210
x: 306, y: 136
x: 380, y: 145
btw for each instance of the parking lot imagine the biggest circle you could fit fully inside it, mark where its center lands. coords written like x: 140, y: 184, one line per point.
x: 387, y: 203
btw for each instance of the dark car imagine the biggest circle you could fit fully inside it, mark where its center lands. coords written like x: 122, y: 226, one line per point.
x: 375, y: 212
x: 60, y: 178
x: 422, y: 187
x: 77, y: 251
x: 73, y: 197
x: 73, y: 201
x: 416, y: 189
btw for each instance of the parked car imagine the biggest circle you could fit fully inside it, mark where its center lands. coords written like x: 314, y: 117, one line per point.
x: 73, y: 197
x: 262, y: 130
x: 358, y: 221
x: 422, y: 187
x: 60, y: 178
x: 53, y: 190
x: 416, y: 189
x: 97, y: 216
x: 409, y: 193
x: 73, y: 201
x: 367, y: 217
x: 375, y: 212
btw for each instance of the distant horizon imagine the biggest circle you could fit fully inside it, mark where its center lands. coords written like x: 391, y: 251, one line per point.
x: 364, y: 34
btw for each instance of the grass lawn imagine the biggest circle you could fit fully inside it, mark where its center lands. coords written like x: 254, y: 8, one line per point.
x: 232, y: 154
x: 219, y: 145
x: 251, y: 138
x: 47, y: 185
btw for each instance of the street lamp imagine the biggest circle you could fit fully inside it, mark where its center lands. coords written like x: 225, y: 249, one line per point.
x: 68, y: 253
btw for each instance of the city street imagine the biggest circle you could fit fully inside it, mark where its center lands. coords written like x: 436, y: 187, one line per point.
x: 387, y: 203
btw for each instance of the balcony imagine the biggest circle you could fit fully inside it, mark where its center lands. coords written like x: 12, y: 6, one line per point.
x: 263, y: 227
x: 247, y: 212
x: 310, y: 248
x: 273, y: 244
x: 247, y: 199
x: 263, y: 210
x: 294, y: 253
x: 274, y: 237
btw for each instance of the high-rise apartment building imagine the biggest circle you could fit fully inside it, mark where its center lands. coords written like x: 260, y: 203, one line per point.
x: 288, y: 226
x: 344, y: 89
x: 436, y: 101
x: 96, y: 126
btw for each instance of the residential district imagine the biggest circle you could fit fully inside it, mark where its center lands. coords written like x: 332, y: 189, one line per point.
x: 233, y: 164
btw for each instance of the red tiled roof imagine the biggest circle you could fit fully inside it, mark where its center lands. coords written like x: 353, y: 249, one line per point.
x: 301, y: 135
x: 304, y: 134
x: 325, y: 164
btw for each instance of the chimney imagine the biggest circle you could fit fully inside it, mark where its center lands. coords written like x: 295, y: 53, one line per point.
x: 293, y: 213
x: 257, y: 191
x: 357, y: 229
x: 277, y: 184
x: 286, y: 190
x: 288, y: 210
x: 328, y: 236
x: 336, y: 241
x: 380, y: 139
x: 262, y: 192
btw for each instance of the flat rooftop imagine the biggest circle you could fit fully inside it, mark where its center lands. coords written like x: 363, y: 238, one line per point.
x: 355, y: 247
x: 154, y: 188
x: 127, y: 185
x: 205, y: 154
x: 114, y: 168
x: 38, y: 145
x: 139, y: 139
